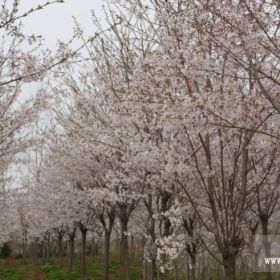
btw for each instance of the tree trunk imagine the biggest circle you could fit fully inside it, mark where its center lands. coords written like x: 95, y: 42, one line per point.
x: 84, y: 248
x: 48, y: 249
x: 120, y: 256
x: 71, y: 251
x: 255, y: 264
x: 253, y: 229
x: 188, y: 267
x: 193, y: 267
x: 132, y: 248
x: 106, y: 254
x: 229, y: 263
x: 24, y: 246
x: 44, y: 251
x: 125, y: 253
x: 60, y: 248
x: 35, y: 252
x: 94, y: 248
x: 243, y: 268
x: 142, y: 248
x: 267, y: 246
x: 164, y: 275
x: 153, y: 268
x: 176, y: 270
x: 145, y: 270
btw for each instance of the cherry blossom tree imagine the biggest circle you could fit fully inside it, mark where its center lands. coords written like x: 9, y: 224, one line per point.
x: 170, y: 121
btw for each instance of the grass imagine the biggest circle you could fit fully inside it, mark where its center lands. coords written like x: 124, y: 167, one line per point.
x: 94, y: 271
x: 12, y: 270
x: 15, y: 270
x: 35, y: 270
x: 53, y: 272
x: 12, y: 273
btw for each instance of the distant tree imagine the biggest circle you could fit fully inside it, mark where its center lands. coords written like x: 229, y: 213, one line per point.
x: 5, y: 251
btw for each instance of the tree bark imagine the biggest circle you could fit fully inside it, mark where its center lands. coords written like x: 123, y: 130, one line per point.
x: 60, y: 248
x: 132, y: 247
x: 188, y: 267
x: 106, y: 255
x: 193, y: 267
x: 84, y: 248
x: 229, y: 267
x: 255, y: 254
x: 267, y: 245
x: 153, y: 268
x: 124, y: 248
x: 243, y: 268
x: 44, y: 251
x: 255, y: 264
x: 92, y: 247
x: 71, y: 251
x: 164, y: 275
x: 120, y: 250
x: 25, y: 246
x: 48, y: 248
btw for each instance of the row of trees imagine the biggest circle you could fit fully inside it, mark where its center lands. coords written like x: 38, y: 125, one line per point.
x: 22, y: 61
x: 165, y: 126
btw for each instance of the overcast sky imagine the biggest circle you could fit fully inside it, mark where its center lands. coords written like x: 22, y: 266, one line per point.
x: 56, y: 22
x: 53, y: 23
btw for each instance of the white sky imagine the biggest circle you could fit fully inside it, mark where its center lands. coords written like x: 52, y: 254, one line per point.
x: 53, y: 23
x: 56, y: 22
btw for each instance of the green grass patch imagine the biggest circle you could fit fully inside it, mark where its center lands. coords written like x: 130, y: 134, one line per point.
x: 54, y: 272
x: 95, y: 271
x: 15, y: 270
x: 12, y: 273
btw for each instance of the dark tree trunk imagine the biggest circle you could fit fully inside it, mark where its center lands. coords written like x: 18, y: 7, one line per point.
x: 71, y: 251
x: 229, y: 263
x: 24, y: 246
x: 35, y: 251
x: 255, y: 261
x: 255, y: 264
x: 60, y: 248
x: 267, y: 245
x: 243, y: 268
x: 117, y: 247
x: 124, y: 249
x: 84, y: 248
x: 44, y: 251
x: 132, y: 251
x: 188, y: 267
x: 193, y: 267
x: 106, y: 255
x: 164, y: 275
x: 120, y: 248
x: 107, y: 227
x: 154, y: 269
x: 48, y: 248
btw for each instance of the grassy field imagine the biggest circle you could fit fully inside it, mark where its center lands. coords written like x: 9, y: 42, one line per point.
x: 15, y: 270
